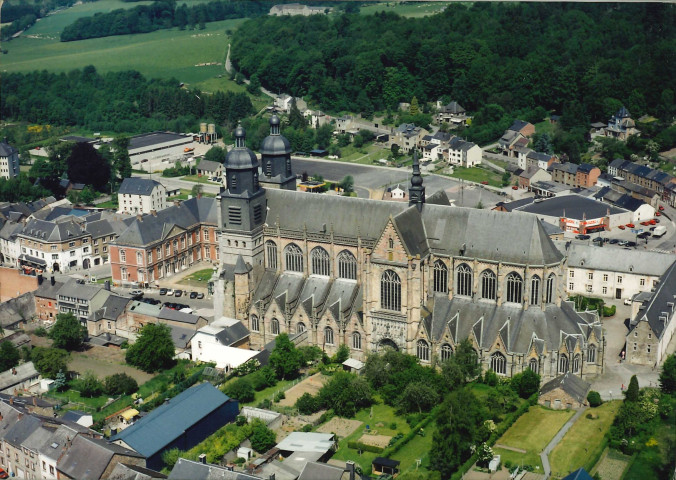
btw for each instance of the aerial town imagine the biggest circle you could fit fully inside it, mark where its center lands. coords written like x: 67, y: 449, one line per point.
x: 342, y: 240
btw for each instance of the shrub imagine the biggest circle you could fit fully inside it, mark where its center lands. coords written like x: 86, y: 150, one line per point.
x: 526, y: 384
x: 491, y: 378
x: 279, y: 396
x: 40, y: 332
x: 263, y: 378
x: 240, y: 389
x: 240, y: 420
x: 120, y: 384
x: 90, y: 386
x: 594, y: 398
x: 307, y: 404
x: 393, y: 426
x: 239, y: 461
x: 306, y: 428
x: 364, y: 447
x: 262, y: 438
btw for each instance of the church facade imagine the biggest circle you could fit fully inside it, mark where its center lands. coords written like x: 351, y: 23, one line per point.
x: 419, y: 277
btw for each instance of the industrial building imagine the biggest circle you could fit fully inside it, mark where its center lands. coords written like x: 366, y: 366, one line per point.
x: 158, y: 147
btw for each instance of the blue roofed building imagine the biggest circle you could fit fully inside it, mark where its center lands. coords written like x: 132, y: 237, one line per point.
x: 182, y: 422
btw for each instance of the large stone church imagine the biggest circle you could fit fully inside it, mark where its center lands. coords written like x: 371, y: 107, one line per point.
x: 418, y: 277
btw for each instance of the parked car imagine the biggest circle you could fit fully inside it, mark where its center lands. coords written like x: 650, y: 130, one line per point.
x: 515, y: 187
x: 652, y: 222
x: 631, y: 244
x: 193, y: 295
x: 484, y: 182
x: 582, y: 237
x: 136, y: 294
x: 630, y: 225
x: 661, y: 208
x: 597, y: 240
x: 200, y: 296
x: 163, y: 291
x: 645, y: 223
x: 623, y: 243
x: 657, y: 214
x: 170, y: 291
x: 627, y: 301
x: 3, y: 473
x: 178, y: 293
x: 657, y: 220
x: 652, y: 229
x: 613, y: 241
x: 621, y: 227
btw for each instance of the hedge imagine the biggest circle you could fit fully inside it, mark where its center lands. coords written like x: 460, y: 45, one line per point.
x: 364, y: 447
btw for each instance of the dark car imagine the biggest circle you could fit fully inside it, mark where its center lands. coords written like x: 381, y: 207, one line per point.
x: 613, y: 241
x: 170, y: 305
x: 200, y: 296
x: 652, y: 229
x: 597, y: 240
x: 163, y: 291
x: 178, y: 293
x: 631, y: 244
x: 582, y: 237
x: 193, y: 295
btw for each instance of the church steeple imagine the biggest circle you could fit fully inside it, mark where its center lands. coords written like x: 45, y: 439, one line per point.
x: 241, y: 167
x: 276, y: 159
x: 416, y: 192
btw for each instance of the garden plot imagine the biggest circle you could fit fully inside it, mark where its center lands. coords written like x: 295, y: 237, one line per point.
x: 340, y: 426
x: 612, y: 465
x: 381, y: 441
x: 310, y: 385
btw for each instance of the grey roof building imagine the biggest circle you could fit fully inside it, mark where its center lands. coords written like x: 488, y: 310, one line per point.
x: 138, y: 186
x: 188, y: 470
x: 89, y: 458
x: 571, y: 384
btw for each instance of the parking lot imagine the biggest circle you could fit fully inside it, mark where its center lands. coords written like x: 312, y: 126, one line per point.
x: 201, y: 306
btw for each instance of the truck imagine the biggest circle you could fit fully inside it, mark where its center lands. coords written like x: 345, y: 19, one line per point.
x: 659, y: 231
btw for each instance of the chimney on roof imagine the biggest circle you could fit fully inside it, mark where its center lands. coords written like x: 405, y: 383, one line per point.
x: 11, y: 400
x: 52, y: 281
x: 153, y: 213
x: 349, y: 466
x: 203, y: 458
x: 40, y: 279
x: 139, y: 217
x: 199, y: 195
x: 35, y: 401
x: 177, y: 203
x: 272, y: 476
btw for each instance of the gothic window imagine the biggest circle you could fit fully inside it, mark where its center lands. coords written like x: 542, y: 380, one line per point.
x: 591, y: 354
x: 390, y: 243
x: 446, y: 352
x: 390, y: 291
x: 356, y: 341
x: 294, y: 258
x: 271, y: 252
x: 254, y: 323
x: 576, y: 363
x: 464, y: 280
x: 514, y: 288
x: 549, y: 294
x: 321, y: 265
x: 347, y: 265
x: 328, y: 336
x: 499, y: 363
x: 274, y: 326
x: 535, y: 290
x: 300, y: 327
x: 423, y: 351
x: 533, y: 365
x: 488, y: 285
x: 563, y: 363
x: 440, y: 277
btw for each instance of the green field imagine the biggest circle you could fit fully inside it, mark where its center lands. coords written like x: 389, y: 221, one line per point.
x: 418, y: 448
x: 199, y: 278
x: 581, y: 442
x: 532, y: 432
x: 408, y: 9
x: 478, y: 175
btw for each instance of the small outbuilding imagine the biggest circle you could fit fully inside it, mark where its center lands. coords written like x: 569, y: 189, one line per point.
x: 564, y: 392
x: 385, y: 466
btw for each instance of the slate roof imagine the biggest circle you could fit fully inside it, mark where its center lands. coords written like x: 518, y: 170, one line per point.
x: 167, y: 422
x: 6, y: 149
x: 638, y: 262
x: 579, y: 474
x: 152, y: 229
x: 453, y: 107
x: 126, y: 471
x: 539, y: 156
x: 227, y: 331
x: 178, y: 316
x: 323, y: 471
x: 518, y: 125
x: 23, y: 372
x: 567, y: 167
x: 52, y: 231
x: 79, y: 290
x: 658, y: 311
x: 575, y: 206
x: 188, y: 470
x: 113, y: 307
x: 181, y: 336
x: 457, y: 143
x: 47, y: 290
x: 74, y: 415
x: 138, y: 186
x: 209, y: 166
x: 88, y: 458
x: 569, y: 383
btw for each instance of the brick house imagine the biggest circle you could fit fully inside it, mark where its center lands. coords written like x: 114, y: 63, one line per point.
x: 564, y: 392
x: 46, y: 307
x: 583, y: 175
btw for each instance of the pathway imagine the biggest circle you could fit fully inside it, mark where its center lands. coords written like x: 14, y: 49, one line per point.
x: 544, y: 455
x: 507, y: 447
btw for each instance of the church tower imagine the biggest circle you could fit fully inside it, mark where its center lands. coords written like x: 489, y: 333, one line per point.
x: 241, y: 206
x: 416, y: 192
x: 276, y: 159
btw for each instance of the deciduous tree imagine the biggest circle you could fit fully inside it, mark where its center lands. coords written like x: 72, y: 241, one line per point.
x: 285, y: 358
x: 68, y: 333
x: 153, y: 349
x: 9, y: 355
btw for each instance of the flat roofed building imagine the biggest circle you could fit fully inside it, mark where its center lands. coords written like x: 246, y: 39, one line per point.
x: 157, y: 146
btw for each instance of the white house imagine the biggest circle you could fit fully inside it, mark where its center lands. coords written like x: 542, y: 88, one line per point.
x: 224, y: 342
x: 460, y: 152
x: 605, y: 272
x: 141, y: 195
x: 9, y: 161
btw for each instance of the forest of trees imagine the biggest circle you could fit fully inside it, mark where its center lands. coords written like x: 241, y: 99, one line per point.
x: 517, y: 56
x: 158, y: 15
x: 116, y: 101
x: 22, y: 14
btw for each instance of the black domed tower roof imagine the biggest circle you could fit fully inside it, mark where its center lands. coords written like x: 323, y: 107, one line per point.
x: 240, y: 157
x: 275, y: 143
x: 276, y: 159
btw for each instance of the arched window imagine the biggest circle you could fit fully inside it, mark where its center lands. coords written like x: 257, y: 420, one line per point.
x: 488, y: 285
x: 423, y: 351
x: 440, y: 277
x: 549, y: 292
x: 591, y: 354
x: 271, y: 252
x: 294, y: 258
x: 328, y: 336
x: 300, y: 327
x: 535, y: 290
x: 390, y: 291
x: 576, y: 363
x: 514, y: 288
x: 533, y: 365
x: 321, y: 264
x: 446, y: 352
x: 356, y: 341
x: 347, y: 265
x: 464, y: 280
x: 254, y: 323
x: 274, y: 326
x: 390, y: 243
x: 563, y: 363
x: 499, y: 363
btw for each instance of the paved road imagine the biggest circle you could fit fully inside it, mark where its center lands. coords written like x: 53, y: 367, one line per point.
x: 544, y: 455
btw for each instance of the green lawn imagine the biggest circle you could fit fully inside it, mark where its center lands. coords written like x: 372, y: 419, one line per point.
x: 353, y: 155
x: 580, y: 444
x: 109, y: 204
x: 198, y: 278
x: 405, y: 9
x: 478, y: 174
x: 532, y: 432
x: 74, y: 397
x: 544, y: 126
x: 198, y: 179
x: 418, y: 448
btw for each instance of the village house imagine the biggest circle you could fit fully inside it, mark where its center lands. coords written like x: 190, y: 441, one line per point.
x: 46, y: 300
x: 621, y: 126
x: 583, y: 175
x: 210, y: 169
x: 298, y: 9
x: 567, y: 391
x: 462, y: 153
x: 141, y: 195
x: 9, y: 161
x: 453, y: 113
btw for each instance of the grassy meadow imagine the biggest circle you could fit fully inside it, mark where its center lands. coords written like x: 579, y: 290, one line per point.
x: 411, y: 9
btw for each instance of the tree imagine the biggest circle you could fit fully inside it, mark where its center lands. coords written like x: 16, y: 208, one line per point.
x: 466, y: 358
x: 345, y: 393
x: 87, y: 196
x: 86, y: 166
x: 395, y: 150
x: 526, y: 383
x: 9, y: 355
x: 121, y: 160
x: 197, y: 190
x: 285, y: 358
x: 418, y: 396
x: 543, y: 144
x: 68, y: 333
x: 153, y: 350
x: 414, y: 109
x: 50, y: 361
x: 90, y: 386
x: 506, y: 178
x: 594, y: 398
x: 347, y: 184
x: 60, y: 382
x: 324, y: 135
x: 120, y: 384
x: 668, y: 375
x: 215, y: 154
x: 296, y: 119
x: 262, y: 438
x: 631, y: 395
x: 307, y: 404
x: 254, y: 87
x: 241, y: 390
x: 342, y: 354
